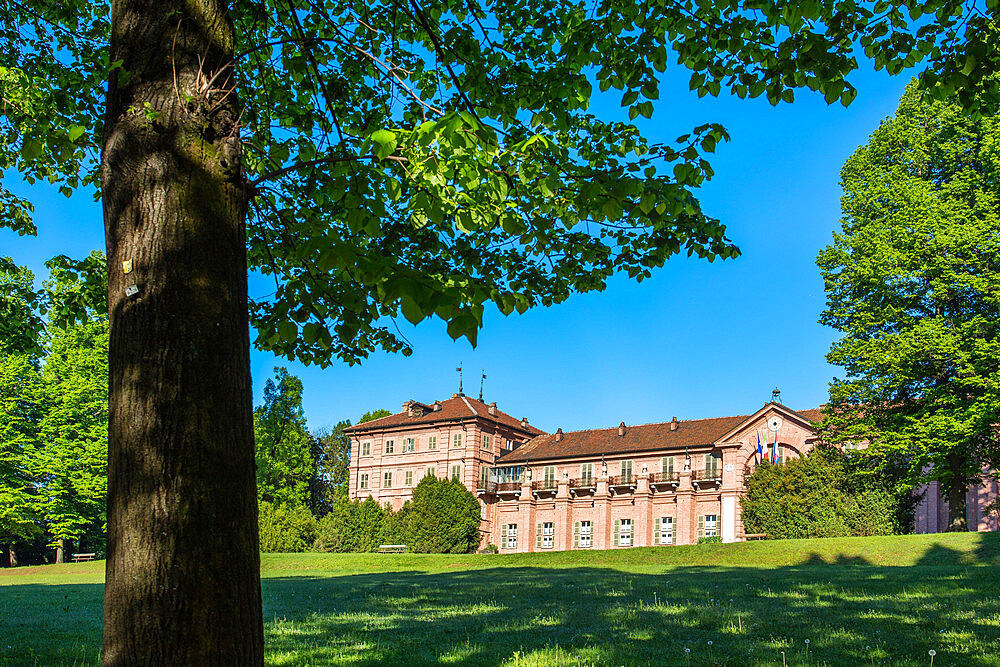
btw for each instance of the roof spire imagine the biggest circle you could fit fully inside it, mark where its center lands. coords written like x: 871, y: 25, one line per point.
x: 776, y: 395
x: 481, y: 381
x: 459, y: 369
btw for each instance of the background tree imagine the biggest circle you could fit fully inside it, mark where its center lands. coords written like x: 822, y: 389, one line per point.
x: 416, y: 159
x: 70, y: 457
x: 285, y: 463
x: 21, y: 409
x: 20, y: 324
x: 442, y: 517
x: 913, y: 284
x: 331, y: 452
x: 822, y: 494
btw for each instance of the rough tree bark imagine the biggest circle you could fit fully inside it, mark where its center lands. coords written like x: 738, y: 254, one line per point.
x: 60, y: 548
x: 183, y: 568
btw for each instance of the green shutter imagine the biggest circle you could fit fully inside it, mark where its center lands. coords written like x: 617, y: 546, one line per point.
x: 618, y: 529
x: 656, y: 531
x: 503, y: 536
x: 701, y: 526
x: 576, y: 535
x: 538, y: 536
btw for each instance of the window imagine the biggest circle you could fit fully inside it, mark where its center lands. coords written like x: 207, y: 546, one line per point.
x: 486, y: 441
x: 545, y: 536
x: 582, y: 534
x: 456, y: 471
x: 667, y: 465
x: 409, y: 445
x: 431, y: 472
x: 508, y: 536
x: 363, y: 481
x: 409, y: 478
x: 623, y: 532
x: 456, y: 440
x: 664, y: 530
x: 626, y: 471
x: 708, y: 526
x: 366, y: 449
x: 586, y: 473
x: 389, y: 446
x: 432, y: 442
x: 712, y: 464
x: 510, y: 444
x: 549, y: 475
x: 387, y: 480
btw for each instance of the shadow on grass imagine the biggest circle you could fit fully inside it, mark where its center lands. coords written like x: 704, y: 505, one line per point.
x: 851, y: 613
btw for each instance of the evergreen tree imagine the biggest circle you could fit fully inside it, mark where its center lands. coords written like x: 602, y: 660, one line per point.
x: 285, y: 462
x: 913, y: 285
x: 442, y: 517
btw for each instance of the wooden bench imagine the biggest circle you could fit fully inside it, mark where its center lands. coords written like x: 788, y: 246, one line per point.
x: 392, y: 548
x: 81, y: 558
x: 754, y: 536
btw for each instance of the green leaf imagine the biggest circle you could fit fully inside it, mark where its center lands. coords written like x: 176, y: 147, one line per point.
x: 384, y: 143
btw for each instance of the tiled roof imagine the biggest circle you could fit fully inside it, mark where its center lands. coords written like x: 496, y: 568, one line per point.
x: 453, y: 409
x: 644, y: 437
x: 815, y: 415
x: 639, y: 438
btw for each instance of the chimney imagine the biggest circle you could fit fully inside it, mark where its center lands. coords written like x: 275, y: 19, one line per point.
x: 406, y: 406
x: 621, y: 429
x: 559, y: 434
x: 437, y: 406
x: 673, y: 424
x: 493, y: 408
x: 524, y: 422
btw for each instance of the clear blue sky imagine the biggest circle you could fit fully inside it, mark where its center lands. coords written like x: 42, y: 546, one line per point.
x: 696, y: 340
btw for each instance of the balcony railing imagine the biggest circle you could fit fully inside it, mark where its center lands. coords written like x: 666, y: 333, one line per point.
x: 508, y: 487
x: 544, y: 485
x: 664, y: 479
x: 708, y: 475
x: 582, y: 483
x: 621, y: 480
x: 486, y: 488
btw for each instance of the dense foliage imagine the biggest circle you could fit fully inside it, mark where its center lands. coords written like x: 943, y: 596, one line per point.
x: 53, y: 416
x: 285, y: 461
x: 913, y: 285
x: 430, y: 158
x: 825, y: 493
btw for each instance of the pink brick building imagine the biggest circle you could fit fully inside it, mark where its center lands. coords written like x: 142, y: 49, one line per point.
x: 457, y: 437
x: 644, y: 485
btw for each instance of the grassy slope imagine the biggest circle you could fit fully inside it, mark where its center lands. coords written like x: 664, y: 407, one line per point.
x: 858, y: 601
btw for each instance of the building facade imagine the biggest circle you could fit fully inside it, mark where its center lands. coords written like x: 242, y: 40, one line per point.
x: 458, y: 437
x: 644, y: 485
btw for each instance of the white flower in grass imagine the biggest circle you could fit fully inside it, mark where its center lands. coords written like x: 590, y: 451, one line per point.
x: 687, y: 650
x: 709, y: 642
x: 807, y: 641
x: 932, y: 653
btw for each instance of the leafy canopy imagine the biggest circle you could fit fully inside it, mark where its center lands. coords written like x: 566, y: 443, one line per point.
x: 285, y: 463
x: 913, y: 285
x: 431, y: 157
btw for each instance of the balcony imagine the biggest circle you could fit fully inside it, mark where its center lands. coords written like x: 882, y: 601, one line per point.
x: 706, y: 477
x: 508, y: 489
x: 620, y: 483
x: 582, y: 485
x: 486, y: 488
x: 660, y: 481
x: 544, y: 486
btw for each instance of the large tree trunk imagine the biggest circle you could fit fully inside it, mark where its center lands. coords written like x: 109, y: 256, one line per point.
x: 957, y: 520
x: 60, y: 551
x: 12, y: 552
x: 183, y: 568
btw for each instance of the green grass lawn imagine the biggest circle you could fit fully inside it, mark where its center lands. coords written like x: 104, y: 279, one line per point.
x: 858, y: 601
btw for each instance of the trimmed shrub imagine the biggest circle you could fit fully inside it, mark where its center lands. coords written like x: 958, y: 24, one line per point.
x: 286, y: 529
x: 818, y: 495
x: 443, y: 517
